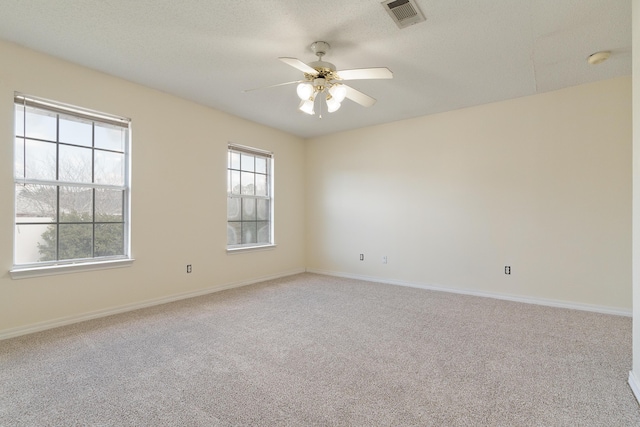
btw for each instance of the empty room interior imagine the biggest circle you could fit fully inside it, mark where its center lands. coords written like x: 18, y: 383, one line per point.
x: 285, y: 213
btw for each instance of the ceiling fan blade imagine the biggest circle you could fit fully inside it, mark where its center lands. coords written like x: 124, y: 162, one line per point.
x: 296, y: 63
x: 267, y: 87
x: 365, y: 73
x: 359, y: 97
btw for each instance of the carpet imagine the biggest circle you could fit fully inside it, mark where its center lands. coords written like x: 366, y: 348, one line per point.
x: 314, y: 350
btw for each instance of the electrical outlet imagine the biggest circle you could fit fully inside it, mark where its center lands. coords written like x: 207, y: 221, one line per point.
x: 361, y: 257
x: 188, y: 268
x: 507, y: 269
x: 384, y: 259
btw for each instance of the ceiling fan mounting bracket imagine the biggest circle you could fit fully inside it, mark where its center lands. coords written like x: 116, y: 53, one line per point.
x: 320, y: 48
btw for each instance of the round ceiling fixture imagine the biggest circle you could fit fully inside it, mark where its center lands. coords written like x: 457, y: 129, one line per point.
x: 598, y: 57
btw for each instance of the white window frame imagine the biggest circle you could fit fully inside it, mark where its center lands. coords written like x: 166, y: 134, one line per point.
x: 231, y: 194
x: 42, y: 268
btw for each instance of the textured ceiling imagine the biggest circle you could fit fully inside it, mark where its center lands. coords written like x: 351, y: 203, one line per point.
x: 467, y: 52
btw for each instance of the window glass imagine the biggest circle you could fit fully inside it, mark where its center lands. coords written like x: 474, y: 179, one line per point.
x: 75, y: 241
x: 109, y: 137
x: 109, y: 205
x: 74, y: 164
x: 40, y: 124
x: 19, y: 122
x: 36, y: 203
x: 109, y: 240
x: 76, y: 204
x: 247, y: 181
x: 75, y: 131
x: 35, y: 243
x: 247, y: 162
x: 39, y: 160
x: 109, y: 167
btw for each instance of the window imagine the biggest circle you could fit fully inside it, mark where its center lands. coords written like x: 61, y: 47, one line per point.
x: 249, y: 197
x: 71, y: 180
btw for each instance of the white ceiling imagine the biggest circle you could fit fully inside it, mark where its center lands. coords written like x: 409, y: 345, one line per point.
x: 467, y: 52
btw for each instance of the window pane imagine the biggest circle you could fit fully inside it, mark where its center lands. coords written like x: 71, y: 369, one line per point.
x: 109, y: 239
x: 41, y: 160
x: 40, y: 124
x: 35, y: 243
x: 19, y: 120
x: 235, y: 182
x: 261, y: 165
x: 18, y: 158
x: 35, y: 203
x: 109, y: 205
x: 264, y: 232
x: 233, y: 209
x: 74, y: 164
x: 261, y: 185
x: 263, y: 213
x: 110, y: 137
x: 109, y: 168
x: 234, y: 233
x: 76, y: 204
x: 249, y: 232
x: 75, y: 131
x: 247, y: 162
x: 248, y: 209
x: 75, y: 241
x: 248, y: 186
x: 234, y: 162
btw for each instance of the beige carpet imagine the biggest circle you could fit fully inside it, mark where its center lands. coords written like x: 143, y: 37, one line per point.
x: 317, y: 350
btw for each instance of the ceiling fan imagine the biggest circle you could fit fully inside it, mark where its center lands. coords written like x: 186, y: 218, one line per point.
x: 322, y: 80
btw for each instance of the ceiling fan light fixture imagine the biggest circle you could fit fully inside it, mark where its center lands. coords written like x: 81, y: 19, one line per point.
x: 306, y: 106
x: 332, y: 104
x: 338, y: 92
x: 304, y: 90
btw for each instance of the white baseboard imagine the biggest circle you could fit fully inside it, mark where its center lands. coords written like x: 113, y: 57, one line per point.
x: 506, y: 297
x: 63, y: 321
x: 635, y: 385
x: 68, y: 320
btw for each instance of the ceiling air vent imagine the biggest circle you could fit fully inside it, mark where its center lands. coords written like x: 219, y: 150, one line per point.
x: 403, y: 12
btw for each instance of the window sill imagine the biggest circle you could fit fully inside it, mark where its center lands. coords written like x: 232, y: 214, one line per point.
x: 28, y: 272
x: 250, y: 249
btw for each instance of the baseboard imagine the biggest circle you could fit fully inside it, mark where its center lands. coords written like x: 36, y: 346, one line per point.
x: 635, y: 385
x: 55, y: 323
x: 68, y: 320
x: 506, y: 297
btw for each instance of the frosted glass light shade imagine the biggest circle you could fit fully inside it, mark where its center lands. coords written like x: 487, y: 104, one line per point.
x: 304, y: 90
x: 307, y: 107
x: 338, y: 92
x: 332, y: 104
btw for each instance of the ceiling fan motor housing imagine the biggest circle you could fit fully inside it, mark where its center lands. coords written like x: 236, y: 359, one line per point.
x: 325, y: 69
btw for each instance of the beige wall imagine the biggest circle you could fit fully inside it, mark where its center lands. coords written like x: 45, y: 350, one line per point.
x: 178, y: 195
x: 540, y: 183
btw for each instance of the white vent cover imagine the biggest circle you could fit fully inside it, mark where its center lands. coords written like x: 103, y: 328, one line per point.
x: 403, y: 12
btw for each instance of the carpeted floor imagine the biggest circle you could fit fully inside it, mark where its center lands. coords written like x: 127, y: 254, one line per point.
x: 317, y: 350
